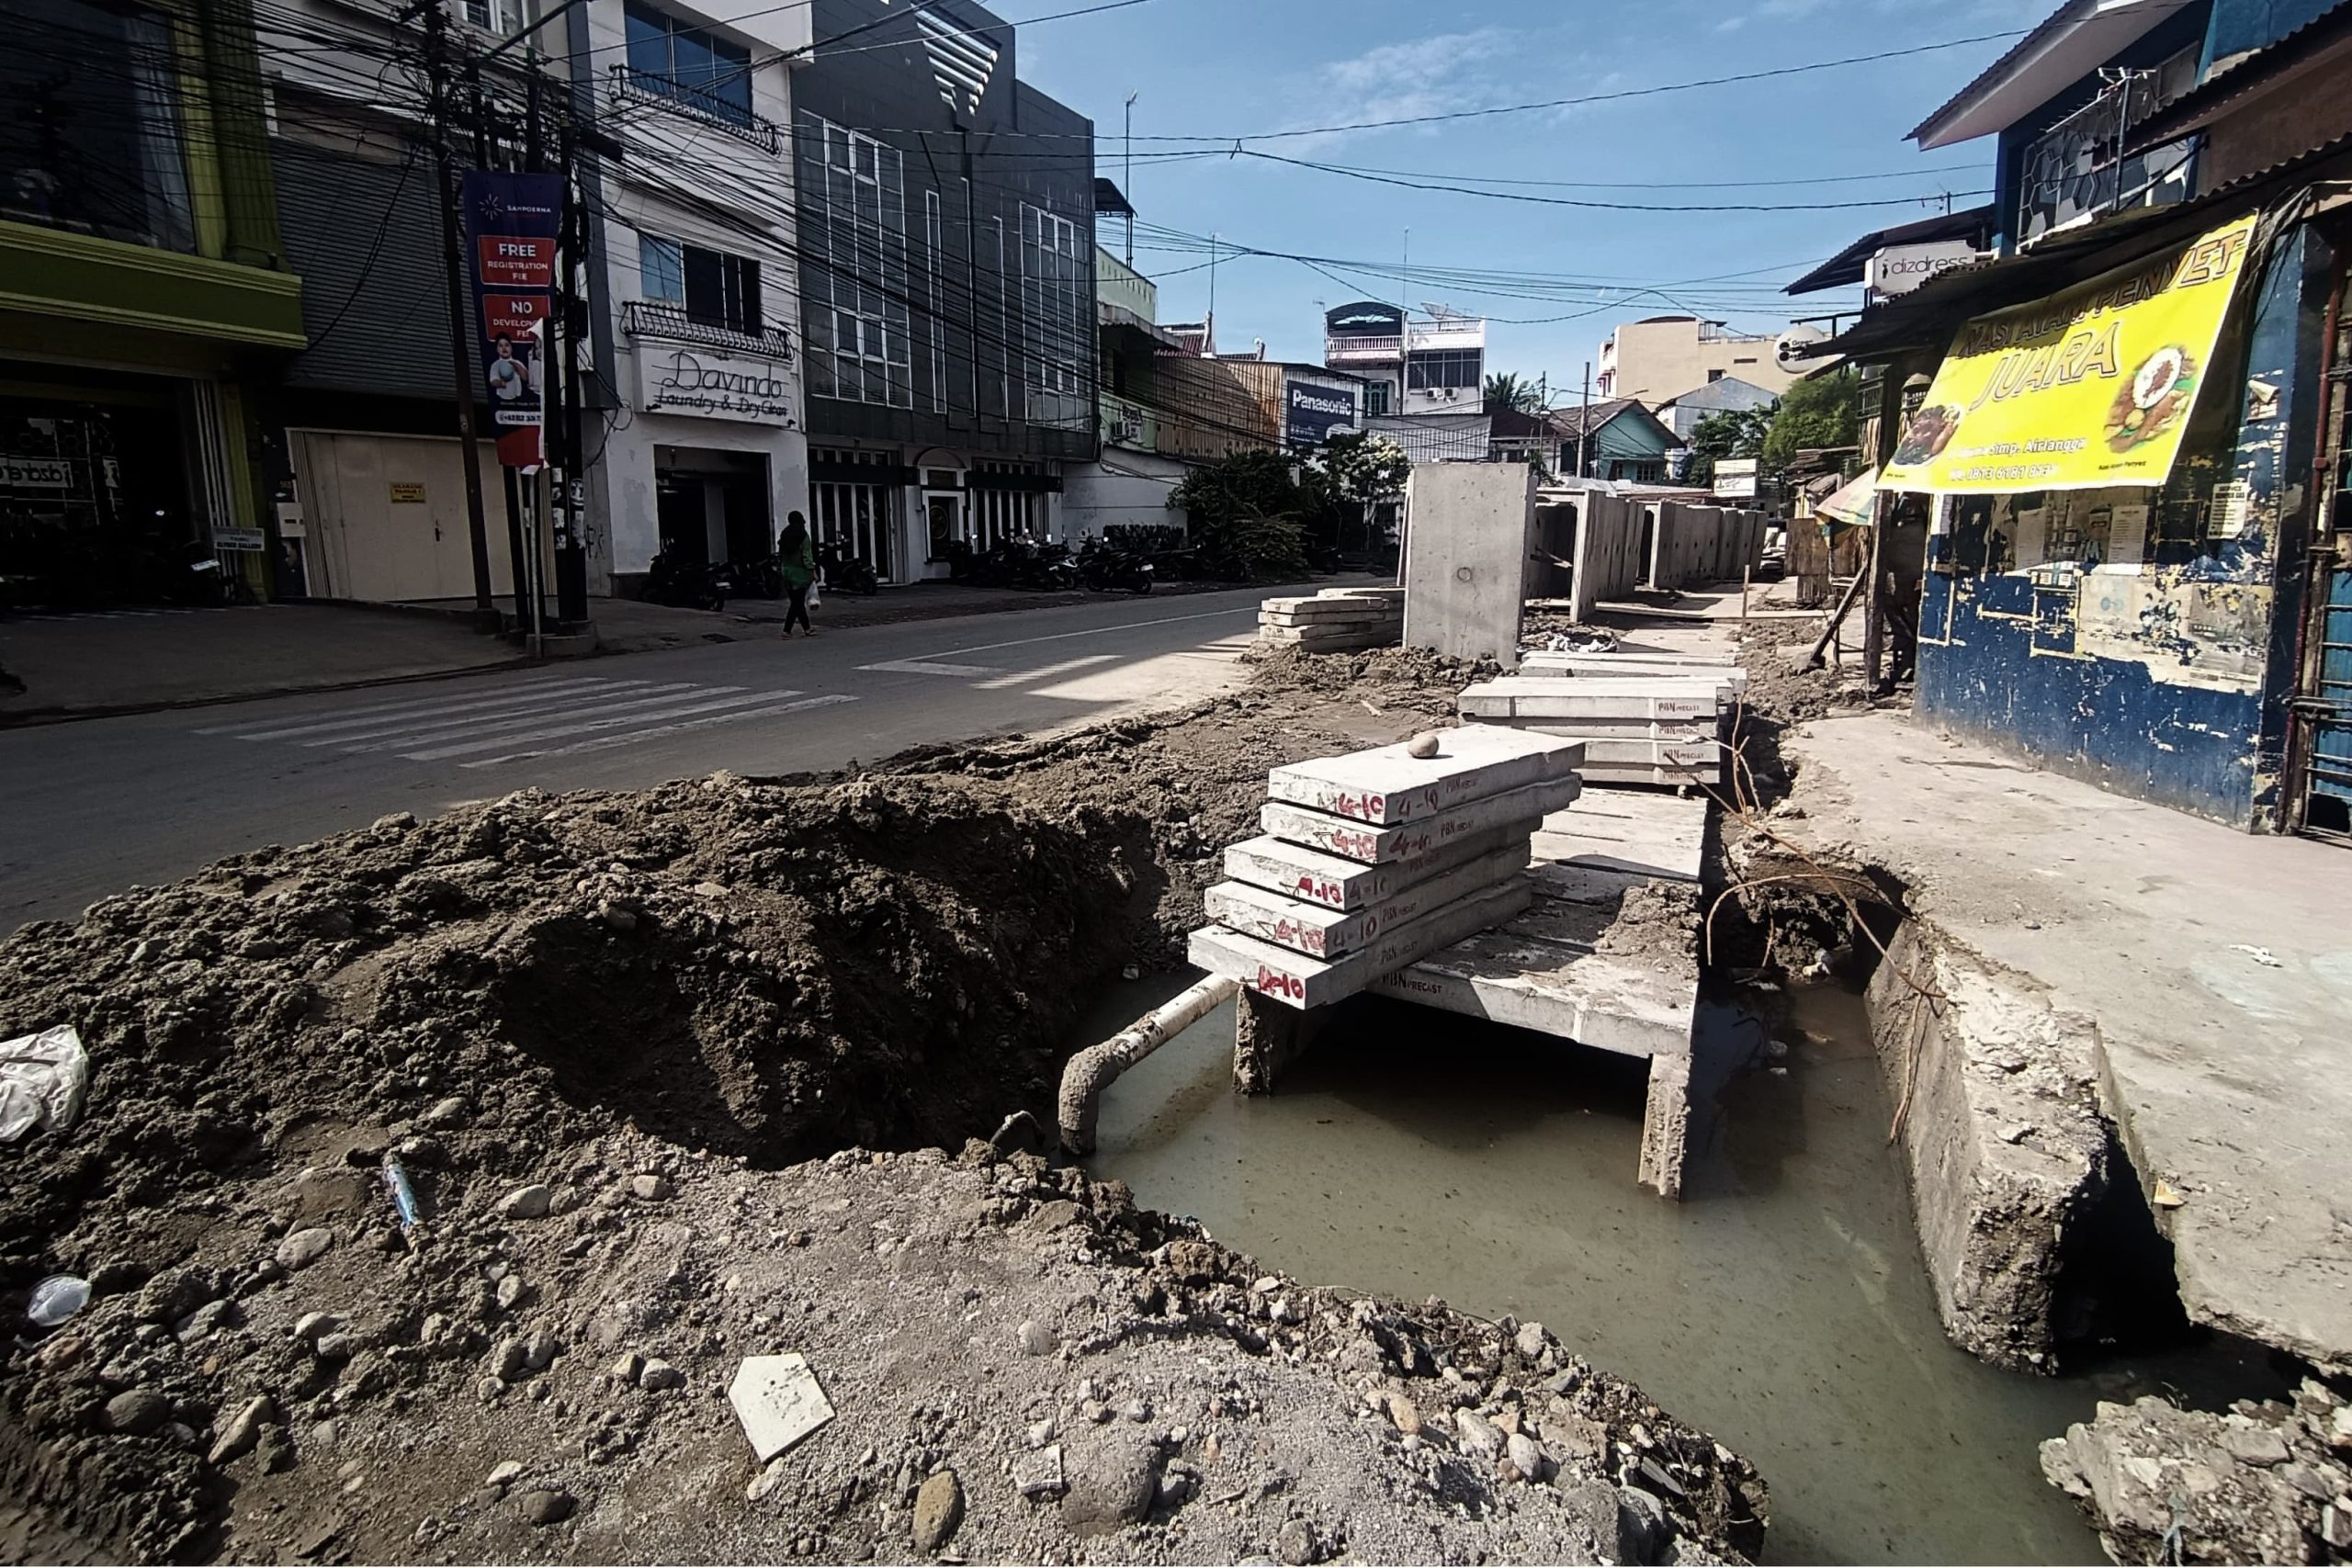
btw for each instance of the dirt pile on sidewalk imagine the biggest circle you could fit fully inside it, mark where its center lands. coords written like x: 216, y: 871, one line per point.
x: 605, y: 1036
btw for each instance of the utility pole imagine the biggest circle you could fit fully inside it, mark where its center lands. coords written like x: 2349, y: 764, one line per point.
x: 1128, y: 178
x: 568, y: 488
x: 1584, y: 420
x: 437, y: 115
x: 1209, y: 340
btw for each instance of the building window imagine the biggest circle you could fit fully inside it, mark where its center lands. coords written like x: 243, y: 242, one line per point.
x: 688, y: 64
x: 999, y: 514
x: 932, y: 235
x: 91, y: 141
x: 852, y: 518
x: 722, y: 291
x: 502, y: 18
x: 854, y: 249
x: 1055, y: 339
x: 1376, y: 396
x: 1443, y: 369
x: 661, y: 269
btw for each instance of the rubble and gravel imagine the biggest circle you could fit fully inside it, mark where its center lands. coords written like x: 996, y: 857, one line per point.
x: 626, y: 1049
x: 2266, y: 1482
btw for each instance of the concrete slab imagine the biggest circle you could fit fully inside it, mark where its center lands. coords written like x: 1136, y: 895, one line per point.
x: 1467, y: 533
x: 1677, y: 759
x: 1298, y: 981
x: 1552, y: 698
x: 1603, y: 1000
x: 1666, y: 837
x: 1378, y: 846
x: 1621, y: 666
x: 1387, y: 785
x: 1315, y: 878
x: 2214, y: 966
x: 1320, y: 931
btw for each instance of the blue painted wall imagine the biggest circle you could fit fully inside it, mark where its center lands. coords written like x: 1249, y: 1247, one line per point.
x: 2010, y: 674
x: 2241, y: 26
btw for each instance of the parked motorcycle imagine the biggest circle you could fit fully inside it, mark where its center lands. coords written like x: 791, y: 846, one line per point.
x: 761, y: 578
x: 688, y: 585
x: 1104, y: 565
x: 845, y: 573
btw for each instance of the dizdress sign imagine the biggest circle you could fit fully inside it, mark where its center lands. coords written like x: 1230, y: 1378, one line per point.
x: 2090, y: 387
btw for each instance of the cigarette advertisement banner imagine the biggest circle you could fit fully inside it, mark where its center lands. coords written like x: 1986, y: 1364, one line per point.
x: 2087, y: 388
x: 511, y: 226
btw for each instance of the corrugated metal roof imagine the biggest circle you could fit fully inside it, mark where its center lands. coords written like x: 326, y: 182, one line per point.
x: 2196, y: 106
x: 1845, y: 267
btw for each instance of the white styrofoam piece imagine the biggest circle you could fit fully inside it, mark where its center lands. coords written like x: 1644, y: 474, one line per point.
x: 1320, y: 931
x: 1388, y: 785
x: 1313, y: 877
x: 779, y: 1402
x: 1378, y: 845
x: 1302, y: 982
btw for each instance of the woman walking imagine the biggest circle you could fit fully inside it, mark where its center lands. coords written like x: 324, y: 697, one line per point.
x: 797, y: 560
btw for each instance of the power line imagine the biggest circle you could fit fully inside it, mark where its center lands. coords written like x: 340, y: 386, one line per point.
x: 1527, y: 198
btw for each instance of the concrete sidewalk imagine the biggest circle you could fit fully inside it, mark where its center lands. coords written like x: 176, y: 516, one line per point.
x: 82, y: 664
x: 2214, y: 970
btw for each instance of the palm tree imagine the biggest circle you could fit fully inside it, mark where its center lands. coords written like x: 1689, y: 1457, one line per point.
x: 1505, y: 391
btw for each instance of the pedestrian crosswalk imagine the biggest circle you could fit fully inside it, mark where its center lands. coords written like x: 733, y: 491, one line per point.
x: 556, y: 715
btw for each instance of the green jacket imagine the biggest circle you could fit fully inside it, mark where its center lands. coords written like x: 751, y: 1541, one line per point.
x: 800, y: 568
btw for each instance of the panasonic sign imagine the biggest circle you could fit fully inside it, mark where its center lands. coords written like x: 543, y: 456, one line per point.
x: 1312, y: 412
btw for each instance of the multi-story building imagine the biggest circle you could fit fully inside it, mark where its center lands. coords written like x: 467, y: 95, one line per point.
x: 1659, y: 358
x: 1436, y: 364
x: 690, y: 316
x: 948, y: 276
x: 145, y: 295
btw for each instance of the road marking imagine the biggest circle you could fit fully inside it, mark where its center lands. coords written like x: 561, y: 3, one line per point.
x: 1022, y: 677
x: 401, y: 737
x: 557, y: 732
x: 926, y: 667
x: 278, y: 729
x: 602, y: 742
x: 1095, y: 631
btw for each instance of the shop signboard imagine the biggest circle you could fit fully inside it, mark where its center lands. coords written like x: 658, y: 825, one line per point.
x: 2087, y: 388
x: 714, y: 384
x: 245, y: 539
x: 1898, y: 269
x: 1312, y: 412
x: 1734, y: 479
x: 35, y: 473
x: 511, y: 224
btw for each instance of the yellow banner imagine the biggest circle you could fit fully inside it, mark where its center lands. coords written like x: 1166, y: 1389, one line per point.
x: 2090, y: 387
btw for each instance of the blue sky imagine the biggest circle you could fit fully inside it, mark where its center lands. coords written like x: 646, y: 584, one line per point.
x: 1232, y: 68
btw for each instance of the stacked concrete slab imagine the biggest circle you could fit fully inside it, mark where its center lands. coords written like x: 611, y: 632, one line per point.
x: 1637, y: 666
x: 1335, y: 620
x: 1373, y: 860
x: 1637, y: 729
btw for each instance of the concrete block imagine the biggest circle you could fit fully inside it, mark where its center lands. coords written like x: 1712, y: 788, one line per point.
x: 1598, y: 1000
x: 1387, y: 785
x: 1321, y: 931
x: 1296, y: 980
x: 1623, y: 666
x: 1467, y: 533
x: 1380, y: 592
x: 1625, y: 729
x: 1693, y: 756
x: 1377, y: 845
x: 1316, y: 878
x: 1653, y: 853
x: 1525, y: 696
x: 778, y: 1401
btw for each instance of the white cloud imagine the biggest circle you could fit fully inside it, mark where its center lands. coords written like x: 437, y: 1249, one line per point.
x: 1435, y: 75
x: 1731, y: 24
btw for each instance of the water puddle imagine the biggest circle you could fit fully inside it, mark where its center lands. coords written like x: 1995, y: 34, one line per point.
x: 1783, y: 1306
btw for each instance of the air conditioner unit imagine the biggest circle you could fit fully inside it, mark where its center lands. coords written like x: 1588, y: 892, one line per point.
x: 1452, y: 393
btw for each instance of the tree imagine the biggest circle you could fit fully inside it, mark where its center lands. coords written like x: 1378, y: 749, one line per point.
x: 1817, y: 412
x: 1734, y: 432
x: 1507, y: 393
x: 1359, y: 471
x: 1246, y: 510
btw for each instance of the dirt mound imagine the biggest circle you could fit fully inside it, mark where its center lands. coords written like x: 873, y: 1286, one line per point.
x: 604, y: 1036
x: 1411, y: 679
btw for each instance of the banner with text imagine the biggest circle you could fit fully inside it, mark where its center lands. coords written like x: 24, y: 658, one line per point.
x: 511, y: 226
x: 2087, y: 388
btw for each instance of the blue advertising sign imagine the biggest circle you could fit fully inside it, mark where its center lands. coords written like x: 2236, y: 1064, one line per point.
x: 511, y: 228
x: 1310, y: 413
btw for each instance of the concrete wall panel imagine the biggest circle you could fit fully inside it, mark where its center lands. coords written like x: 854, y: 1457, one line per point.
x: 1469, y: 535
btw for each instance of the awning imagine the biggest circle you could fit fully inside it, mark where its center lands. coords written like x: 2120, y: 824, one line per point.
x: 1850, y: 506
x: 2090, y: 387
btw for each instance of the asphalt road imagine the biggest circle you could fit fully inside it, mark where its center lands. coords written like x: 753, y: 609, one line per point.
x: 87, y: 808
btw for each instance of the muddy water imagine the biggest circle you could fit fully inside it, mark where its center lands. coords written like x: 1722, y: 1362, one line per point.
x: 1782, y: 1307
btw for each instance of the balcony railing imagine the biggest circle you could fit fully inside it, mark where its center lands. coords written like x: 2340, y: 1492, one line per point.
x: 2076, y: 170
x: 697, y: 104
x: 1337, y: 348
x: 671, y: 324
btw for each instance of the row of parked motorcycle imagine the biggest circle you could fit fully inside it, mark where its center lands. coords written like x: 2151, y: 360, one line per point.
x: 1015, y: 561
